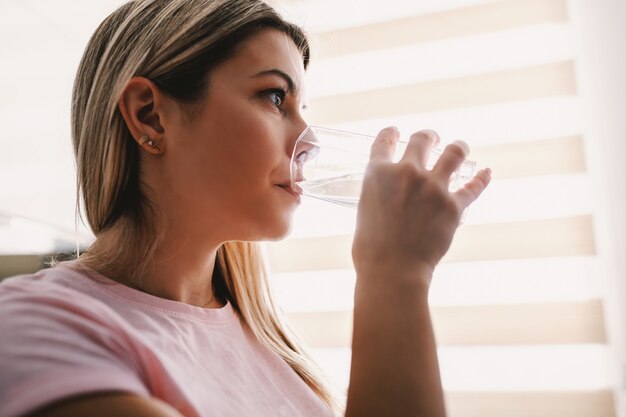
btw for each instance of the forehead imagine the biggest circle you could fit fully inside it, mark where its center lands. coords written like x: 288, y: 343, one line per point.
x: 265, y: 50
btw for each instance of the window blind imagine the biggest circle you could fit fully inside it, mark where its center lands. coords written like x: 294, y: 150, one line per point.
x: 518, y: 306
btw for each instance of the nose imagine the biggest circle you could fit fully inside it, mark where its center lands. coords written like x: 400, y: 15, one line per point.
x: 297, y: 129
x: 305, y: 149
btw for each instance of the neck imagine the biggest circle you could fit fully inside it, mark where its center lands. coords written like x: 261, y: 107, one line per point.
x: 178, y: 268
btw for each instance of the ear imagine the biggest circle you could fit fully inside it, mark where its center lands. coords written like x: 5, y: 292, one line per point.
x: 140, y: 106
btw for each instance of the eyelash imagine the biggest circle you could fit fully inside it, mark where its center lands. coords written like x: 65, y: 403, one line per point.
x: 280, y: 92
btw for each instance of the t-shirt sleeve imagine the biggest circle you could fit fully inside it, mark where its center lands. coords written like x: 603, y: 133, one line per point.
x: 57, y: 343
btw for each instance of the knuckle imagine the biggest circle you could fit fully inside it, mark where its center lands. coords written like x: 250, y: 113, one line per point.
x: 407, y: 170
x: 437, y: 193
x: 373, y: 169
x: 381, y: 141
x: 378, y: 169
x: 440, y: 196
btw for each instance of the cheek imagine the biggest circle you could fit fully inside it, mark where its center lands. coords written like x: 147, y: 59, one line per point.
x: 247, y: 145
x: 232, y: 160
x: 242, y: 128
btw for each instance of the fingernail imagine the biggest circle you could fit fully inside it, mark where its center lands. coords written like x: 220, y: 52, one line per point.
x: 487, y: 170
x: 393, y: 131
x: 427, y: 134
x: 434, y: 135
x: 463, y: 145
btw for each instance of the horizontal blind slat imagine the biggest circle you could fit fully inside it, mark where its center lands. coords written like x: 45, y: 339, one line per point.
x: 458, y: 57
x: 515, y: 324
x: 547, y: 368
x: 534, y: 281
x: 570, y: 236
x: 538, y: 157
x: 466, y: 21
x: 554, y: 79
x: 531, y: 404
x: 497, y: 123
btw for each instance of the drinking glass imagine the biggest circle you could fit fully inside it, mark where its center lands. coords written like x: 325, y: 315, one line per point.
x: 329, y: 164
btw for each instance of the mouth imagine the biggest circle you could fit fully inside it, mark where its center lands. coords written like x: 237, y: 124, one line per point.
x: 287, y: 187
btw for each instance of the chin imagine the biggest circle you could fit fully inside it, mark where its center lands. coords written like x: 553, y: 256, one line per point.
x: 280, y: 231
x: 269, y: 228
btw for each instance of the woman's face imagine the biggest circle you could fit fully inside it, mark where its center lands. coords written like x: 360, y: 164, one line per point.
x: 227, y: 168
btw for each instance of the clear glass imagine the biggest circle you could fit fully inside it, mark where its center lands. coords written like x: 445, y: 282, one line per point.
x: 329, y: 164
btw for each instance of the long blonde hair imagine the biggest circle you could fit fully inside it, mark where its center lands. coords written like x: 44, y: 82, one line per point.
x: 176, y: 44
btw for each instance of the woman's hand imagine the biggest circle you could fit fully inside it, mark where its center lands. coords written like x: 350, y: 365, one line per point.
x: 406, y: 221
x: 407, y: 217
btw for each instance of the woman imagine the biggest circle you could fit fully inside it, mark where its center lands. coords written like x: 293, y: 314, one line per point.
x: 184, y: 118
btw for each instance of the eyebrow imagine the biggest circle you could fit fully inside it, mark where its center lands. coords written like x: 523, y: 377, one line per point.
x: 290, y: 84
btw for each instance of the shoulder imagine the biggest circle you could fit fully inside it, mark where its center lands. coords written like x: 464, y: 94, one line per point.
x: 62, y: 341
x: 51, y: 281
x: 45, y: 309
x: 49, y: 295
x: 50, y: 307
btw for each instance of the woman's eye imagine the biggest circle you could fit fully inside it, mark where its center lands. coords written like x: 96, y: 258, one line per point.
x: 277, y: 97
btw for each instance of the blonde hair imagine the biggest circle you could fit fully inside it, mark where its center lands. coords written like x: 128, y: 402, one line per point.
x: 176, y: 44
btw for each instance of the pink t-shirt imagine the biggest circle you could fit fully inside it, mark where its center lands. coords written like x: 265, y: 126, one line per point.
x: 64, y: 333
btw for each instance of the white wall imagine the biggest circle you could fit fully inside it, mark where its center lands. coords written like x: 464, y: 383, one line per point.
x: 602, y: 82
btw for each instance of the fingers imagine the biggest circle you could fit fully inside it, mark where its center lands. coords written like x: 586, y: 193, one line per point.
x: 419, y: 147
x: 384, y: 146
x: 467, y: 194
x: 452, y: 157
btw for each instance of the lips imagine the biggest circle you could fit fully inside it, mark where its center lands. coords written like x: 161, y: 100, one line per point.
x: 296, y: 191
